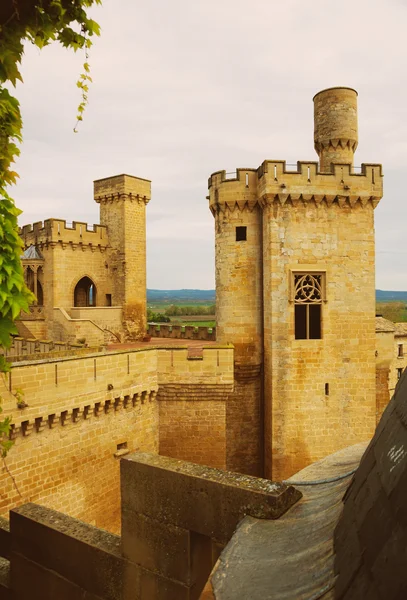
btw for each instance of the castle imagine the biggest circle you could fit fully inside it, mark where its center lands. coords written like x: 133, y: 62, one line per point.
x: 90, y: 283
x: 300, y: 367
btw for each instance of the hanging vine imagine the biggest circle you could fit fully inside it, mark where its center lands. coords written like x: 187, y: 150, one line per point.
x: 40, y: 22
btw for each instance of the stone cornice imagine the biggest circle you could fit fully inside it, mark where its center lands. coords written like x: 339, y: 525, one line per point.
x: 121, y: 197
x: 342, y: 201
x: 128, y: 400
x: 72, y: 245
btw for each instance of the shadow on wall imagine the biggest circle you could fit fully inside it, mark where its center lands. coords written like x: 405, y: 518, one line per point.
x: 371, y: 535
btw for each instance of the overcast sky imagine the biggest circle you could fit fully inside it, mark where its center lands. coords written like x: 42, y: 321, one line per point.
x: 184, y: 88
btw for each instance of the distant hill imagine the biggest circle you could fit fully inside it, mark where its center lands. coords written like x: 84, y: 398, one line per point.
x: 209, y: 296
x: 181, y: 296
x: 389, y: 296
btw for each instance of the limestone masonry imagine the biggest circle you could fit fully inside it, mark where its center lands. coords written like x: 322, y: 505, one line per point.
x: 300, y: 368
x: 91, y: 282
x: 296, y: 292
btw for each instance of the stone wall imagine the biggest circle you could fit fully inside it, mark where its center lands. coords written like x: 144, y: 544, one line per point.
x: 106, y: 317
x: 320, y: 393
x: 239, y: 310
x: 85, y: 412
x: 65, y: 328
x: 31, y: 328
x: 391, y: 359
x: 187, y: 332
x: 193, y: 397
x: 67, y: 438
x: 158, y: 557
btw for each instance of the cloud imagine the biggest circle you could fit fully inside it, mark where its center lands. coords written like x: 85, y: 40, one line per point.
x: 183, y: 89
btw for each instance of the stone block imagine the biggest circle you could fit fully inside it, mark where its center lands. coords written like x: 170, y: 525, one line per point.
x: 146, y: 542
x: 31, y: 581
x: 201, y: 499
x: 5, y: 539
x: 87, y: 557
x: 5, y: 590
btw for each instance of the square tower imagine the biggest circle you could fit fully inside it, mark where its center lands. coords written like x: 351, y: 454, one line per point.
x: 123, y: 201
x: 314, y: 301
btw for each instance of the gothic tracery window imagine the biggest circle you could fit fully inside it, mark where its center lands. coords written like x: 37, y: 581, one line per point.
x: 308, y: 298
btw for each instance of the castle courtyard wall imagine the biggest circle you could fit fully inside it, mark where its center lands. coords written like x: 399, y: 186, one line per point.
x: 67, y: 439
x: 84, y: 413
x: 193, y: 395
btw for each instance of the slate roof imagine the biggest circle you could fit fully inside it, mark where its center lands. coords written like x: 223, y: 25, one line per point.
x: 32, y: 253
x: 371, y: 536
x: 291, y: 557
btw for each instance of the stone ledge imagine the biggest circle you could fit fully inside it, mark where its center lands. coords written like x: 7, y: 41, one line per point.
x: 202, y: 499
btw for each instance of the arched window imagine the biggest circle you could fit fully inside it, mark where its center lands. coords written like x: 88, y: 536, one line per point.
x: 32, y: 279
x: 40, y: 294
x: 308, y: 297
x: 85, y: 293
x: 29, y: 279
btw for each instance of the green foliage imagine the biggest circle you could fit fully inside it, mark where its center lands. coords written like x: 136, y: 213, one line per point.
x: 14, y: 296
x: 5, y: 442
x: 393, y: 311
x: 197, y: 309
x: 39, y: 22
x: 157, y: 317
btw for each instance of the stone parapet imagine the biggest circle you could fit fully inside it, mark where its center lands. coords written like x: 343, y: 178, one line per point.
x: 53, y: 231
x: 188, y: 332
x: 173, y: 511
x: 235, y: 192
x: 308, y: 184
x: 272, y: 182
x: 120, y: 187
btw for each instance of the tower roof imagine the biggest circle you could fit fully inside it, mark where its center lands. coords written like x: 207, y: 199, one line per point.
x: 32, y: 253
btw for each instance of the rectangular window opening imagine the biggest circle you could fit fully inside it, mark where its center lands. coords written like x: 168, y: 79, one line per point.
x: 241, y: 234
x: 327, y: 389
x: 108, y: 299
x: 400, y: 353
x: 399, y: 373
x: 122, y: 450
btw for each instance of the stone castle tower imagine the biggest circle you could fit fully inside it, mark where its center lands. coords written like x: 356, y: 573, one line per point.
x: 90, y: 282
x: 295, y: 281
x: 122, y: 202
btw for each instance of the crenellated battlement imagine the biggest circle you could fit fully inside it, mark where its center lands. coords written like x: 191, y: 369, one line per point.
x: 240, y: 190
x: 273, y: 181
x: 307, y: 183
x: 57, y: 230
x: 119, y: 187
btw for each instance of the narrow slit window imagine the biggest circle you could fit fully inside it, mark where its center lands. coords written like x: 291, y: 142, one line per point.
x: 241, y: 234
x: 399, y: 373
x: 308, y: 297
x: 400, y: 352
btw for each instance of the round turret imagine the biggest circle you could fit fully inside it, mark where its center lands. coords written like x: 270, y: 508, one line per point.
x: 335, y: 126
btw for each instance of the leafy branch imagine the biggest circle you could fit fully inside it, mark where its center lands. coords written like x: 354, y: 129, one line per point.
x: 40, y: 22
